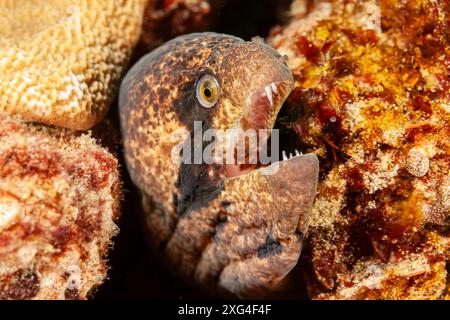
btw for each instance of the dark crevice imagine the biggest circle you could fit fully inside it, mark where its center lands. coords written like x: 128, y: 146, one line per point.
x: 250, y: 18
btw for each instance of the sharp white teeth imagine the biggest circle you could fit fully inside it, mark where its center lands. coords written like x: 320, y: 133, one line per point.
x: 289, y: 156
x: 274, y: 88
x: 268, y: 91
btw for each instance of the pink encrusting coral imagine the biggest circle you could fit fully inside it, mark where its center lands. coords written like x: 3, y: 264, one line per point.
x: 60, y: 65
x: 59, y: 198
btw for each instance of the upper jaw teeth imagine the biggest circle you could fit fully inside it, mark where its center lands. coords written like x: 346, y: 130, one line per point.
x: 286, y: 157
x: 271, y: 90
x: 268, y: 91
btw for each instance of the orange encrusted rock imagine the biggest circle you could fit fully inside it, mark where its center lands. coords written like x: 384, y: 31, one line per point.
x: 59, y: 198
x: 372, y: 99
x: 61, y: 60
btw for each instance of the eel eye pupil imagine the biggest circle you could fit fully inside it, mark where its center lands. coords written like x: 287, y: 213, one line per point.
x: 207, y: 91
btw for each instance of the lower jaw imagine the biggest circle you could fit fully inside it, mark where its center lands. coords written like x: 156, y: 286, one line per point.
x: 286, y: 151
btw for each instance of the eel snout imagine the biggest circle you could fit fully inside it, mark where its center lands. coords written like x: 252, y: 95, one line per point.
x: 264, y: 103
x: 272, y: 83
x: 259, y: 115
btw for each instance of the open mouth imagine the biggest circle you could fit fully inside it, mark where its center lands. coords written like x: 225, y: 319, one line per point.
x: 253, y: 133
x: 263, y: 105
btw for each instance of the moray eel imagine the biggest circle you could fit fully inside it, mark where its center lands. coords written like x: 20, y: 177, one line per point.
x: 234, y: 229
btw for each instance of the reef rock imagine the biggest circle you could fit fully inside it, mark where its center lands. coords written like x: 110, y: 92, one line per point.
x: 372, y: 101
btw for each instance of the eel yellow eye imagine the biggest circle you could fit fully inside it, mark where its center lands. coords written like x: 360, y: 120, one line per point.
x: 207, y: 91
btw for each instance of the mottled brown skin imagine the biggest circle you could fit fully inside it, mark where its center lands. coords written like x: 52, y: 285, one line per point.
x: 235, y: 236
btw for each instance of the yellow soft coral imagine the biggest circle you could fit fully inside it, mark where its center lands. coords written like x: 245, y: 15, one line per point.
x: 61, y: 60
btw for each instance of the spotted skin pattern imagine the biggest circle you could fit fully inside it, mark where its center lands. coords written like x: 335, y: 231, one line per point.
x: 236, y: 236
